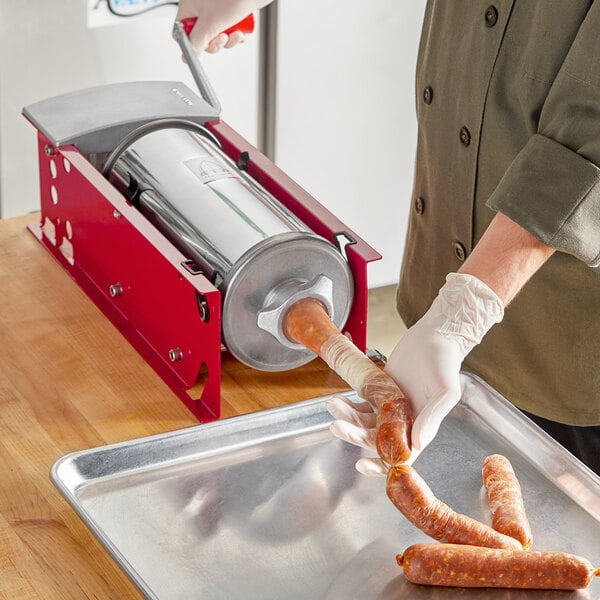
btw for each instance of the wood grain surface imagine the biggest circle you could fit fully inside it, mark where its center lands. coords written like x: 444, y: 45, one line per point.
x: 69, y: 381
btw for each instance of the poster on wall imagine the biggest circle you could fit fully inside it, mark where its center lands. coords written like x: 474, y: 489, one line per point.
x: 111, y: 12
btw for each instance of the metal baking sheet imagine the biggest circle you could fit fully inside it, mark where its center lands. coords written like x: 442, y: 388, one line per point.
x: 269, y: 505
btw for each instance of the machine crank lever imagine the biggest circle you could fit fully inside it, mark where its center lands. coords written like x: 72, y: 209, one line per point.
x: 181, y: 31
x: 202, y: 82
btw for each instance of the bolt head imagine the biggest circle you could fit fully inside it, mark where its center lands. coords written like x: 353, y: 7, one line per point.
x: 175, y: 355
x: 116, y: 289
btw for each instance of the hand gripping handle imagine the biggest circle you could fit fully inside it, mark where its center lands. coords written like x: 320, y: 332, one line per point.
x: 246, y: 25
x: 181, y: 31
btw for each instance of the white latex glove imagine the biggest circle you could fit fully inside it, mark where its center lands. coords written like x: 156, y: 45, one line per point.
x: 426, y: 361
x: 426, y: 365
x: 214, y: 17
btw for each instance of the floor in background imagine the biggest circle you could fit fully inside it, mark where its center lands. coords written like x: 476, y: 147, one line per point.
x: 384, y: 326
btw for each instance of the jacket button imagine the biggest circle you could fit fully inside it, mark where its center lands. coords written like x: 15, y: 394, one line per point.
x: 419, y: 205
x: 491, y: 16
x: 459, y: 251
x: 465, y: 136
x: 428, y: 94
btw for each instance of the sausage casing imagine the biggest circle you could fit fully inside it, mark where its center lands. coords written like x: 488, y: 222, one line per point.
x: 307, y: 322
x: 414, y: 499
x: 394, y: 426
x: 505, y: 499
x: 472, y: 567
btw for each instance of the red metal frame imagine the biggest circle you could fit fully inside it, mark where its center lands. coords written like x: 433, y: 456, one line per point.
x: 112, y: 244
x: 138, y: 279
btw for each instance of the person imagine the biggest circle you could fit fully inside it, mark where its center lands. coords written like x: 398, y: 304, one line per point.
x: 213, y: 18
x: 501, y: 271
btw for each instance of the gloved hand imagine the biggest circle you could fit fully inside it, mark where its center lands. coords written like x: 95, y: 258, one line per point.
x: 426, y: 361
x: 214, y: 17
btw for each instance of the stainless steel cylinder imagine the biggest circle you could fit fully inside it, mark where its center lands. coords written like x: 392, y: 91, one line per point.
x: 249, y: 245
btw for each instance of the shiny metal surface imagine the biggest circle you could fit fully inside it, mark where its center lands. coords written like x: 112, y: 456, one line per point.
x: 191, y: 58
x: 245, y: 241
x: 197, y: 195
x: 269, y: 506
x: 282, y: 266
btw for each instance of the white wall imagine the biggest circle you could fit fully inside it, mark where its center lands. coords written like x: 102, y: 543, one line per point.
x: 47, y: 48
x: 346, y: 126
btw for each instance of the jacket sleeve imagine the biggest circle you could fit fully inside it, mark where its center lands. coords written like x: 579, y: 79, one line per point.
x: 552, y: 188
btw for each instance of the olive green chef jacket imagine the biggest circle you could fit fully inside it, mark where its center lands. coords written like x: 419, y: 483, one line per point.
x: 508, y: 105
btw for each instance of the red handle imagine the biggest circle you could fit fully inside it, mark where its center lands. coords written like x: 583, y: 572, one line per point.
x: 246, y: 25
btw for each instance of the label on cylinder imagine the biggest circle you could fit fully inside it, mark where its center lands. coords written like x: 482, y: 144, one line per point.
x: 208, y: 169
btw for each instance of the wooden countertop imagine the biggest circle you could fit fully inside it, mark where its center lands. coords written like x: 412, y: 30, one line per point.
x: 69, y: 381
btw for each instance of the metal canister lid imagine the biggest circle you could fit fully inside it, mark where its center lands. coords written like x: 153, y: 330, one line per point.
x: 280, y: 261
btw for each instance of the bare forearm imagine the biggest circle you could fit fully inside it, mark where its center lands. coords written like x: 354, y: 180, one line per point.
x: 506, y: 257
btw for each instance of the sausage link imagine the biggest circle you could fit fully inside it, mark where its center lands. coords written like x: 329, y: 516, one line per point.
x: 472, y: 567
x: 306, y: 322
x: 506, y: 500
x: 394, y: 426
x: 414, y: 499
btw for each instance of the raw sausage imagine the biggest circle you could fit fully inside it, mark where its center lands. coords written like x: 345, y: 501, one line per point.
x: 307, y: 322
x: 506, y: 501
x: 471, y: 567
x: 414, y: 499
x: 394, y: 426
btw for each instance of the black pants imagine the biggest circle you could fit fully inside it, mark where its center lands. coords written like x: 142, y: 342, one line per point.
x: 583, y: 442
